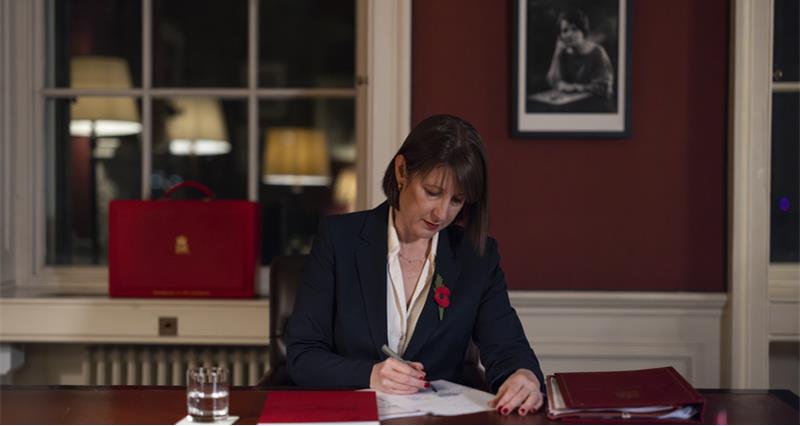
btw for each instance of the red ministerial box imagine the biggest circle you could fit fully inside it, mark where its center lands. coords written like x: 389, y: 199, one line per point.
x: 182, y: 248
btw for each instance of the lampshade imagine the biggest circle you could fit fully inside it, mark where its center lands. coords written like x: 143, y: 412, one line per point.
x: 296, y: 156
x: 102, y: 115
x: 344, y: 189
x: 197, y: 128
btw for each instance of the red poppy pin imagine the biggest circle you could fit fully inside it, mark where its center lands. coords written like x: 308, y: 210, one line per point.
x: 441, y: 295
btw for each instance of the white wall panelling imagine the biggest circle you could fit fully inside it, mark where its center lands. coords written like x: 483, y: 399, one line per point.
x: 784, y: 302
x: 592, y: 331
x: 570, y: 331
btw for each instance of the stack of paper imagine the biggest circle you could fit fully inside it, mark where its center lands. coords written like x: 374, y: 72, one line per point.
x: 451, y: 399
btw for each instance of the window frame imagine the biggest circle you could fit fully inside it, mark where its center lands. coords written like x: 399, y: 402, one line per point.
x: 755, y: 284
x: 382, y: 97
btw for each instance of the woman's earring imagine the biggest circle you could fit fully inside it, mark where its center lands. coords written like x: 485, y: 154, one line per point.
x: 399, y: 186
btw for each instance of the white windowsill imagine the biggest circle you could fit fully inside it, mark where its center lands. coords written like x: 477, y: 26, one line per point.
x: 59, y: 315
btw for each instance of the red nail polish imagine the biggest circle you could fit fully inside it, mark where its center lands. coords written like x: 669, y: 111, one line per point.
x: 522, y: 411
x: 499, y: 409
x: 505, y: 411
x: 427, y: 385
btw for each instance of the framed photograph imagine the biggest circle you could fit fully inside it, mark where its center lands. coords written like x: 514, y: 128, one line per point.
x: 571, y: 69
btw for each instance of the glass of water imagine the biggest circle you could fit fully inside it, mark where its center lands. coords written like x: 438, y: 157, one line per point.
x: 207, y: 393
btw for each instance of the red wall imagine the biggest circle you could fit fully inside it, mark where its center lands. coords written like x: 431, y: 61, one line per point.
x: 643, y: 213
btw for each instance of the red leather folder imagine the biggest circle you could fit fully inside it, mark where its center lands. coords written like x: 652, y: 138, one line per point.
x: 319, y: 407
x: 183, y: 248
x: 639, y: 395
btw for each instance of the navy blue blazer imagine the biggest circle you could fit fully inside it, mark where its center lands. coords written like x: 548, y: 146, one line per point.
x: 338, y: 325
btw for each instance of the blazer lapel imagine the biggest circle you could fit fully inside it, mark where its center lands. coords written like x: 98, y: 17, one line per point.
x: 371, y: 263
x: 446, y: 266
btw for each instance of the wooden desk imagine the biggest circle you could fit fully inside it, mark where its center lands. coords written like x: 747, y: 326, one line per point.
x: 167, y: 405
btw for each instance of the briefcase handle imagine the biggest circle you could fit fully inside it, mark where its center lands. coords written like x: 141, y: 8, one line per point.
x: 190, y: 184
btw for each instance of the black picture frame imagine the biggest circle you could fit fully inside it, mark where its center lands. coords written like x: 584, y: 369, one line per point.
x: 592, y: 68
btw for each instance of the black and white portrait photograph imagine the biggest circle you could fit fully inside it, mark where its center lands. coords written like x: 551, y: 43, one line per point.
x: 571, y: 68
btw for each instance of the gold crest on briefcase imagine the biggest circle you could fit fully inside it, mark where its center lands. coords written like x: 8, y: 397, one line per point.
x: 181, y: 244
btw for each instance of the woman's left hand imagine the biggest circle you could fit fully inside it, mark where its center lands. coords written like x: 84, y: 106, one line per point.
x: 520, y: 391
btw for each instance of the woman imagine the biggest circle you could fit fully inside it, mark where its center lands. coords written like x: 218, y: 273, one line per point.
x: 578, y: 64
x: 418, y: 274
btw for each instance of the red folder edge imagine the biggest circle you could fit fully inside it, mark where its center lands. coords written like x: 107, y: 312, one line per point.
x: 319, y: 407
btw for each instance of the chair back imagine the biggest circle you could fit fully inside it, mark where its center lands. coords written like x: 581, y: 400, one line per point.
x: 285, y: 273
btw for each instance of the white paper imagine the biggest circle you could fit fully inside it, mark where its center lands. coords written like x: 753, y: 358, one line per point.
x: 451, y: 399
x: 683, y: 413
x: 557, y: 97
x: 387, y: 410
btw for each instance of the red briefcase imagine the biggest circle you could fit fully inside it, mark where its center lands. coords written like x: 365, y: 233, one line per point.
x: 182, y: 248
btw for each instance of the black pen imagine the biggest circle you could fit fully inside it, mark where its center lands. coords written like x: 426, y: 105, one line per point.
x: 388, y: 351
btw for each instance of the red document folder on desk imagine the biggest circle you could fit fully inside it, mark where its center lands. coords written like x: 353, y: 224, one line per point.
x: 319, y: 407
x: 636, y: 394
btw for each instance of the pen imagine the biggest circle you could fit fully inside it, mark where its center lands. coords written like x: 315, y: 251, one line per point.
x: 388, y: 351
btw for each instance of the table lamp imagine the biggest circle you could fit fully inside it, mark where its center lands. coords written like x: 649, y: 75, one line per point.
x: 102, y: 116
x: 296, y: 156
x: 197, y: 128
x: 344, y: 189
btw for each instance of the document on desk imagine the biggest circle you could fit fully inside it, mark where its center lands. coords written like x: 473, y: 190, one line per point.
x: 557, y: 97
x: 451, y: 399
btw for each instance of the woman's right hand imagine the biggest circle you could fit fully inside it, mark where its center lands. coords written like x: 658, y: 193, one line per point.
x: 565, y: 87
x: 395, y: 377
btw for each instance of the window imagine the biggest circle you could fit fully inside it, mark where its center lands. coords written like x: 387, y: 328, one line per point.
x: 784, y: 215
x: 785, y: 173
x: 254, y: 98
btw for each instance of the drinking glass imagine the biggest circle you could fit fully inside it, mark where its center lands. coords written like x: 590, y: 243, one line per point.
x: 207, y: 393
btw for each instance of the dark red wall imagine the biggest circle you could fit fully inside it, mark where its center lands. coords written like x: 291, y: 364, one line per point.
x: 643, y: 213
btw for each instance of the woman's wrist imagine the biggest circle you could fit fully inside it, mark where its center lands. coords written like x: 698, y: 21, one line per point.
x: 527, y: 372
x: 530, y: 375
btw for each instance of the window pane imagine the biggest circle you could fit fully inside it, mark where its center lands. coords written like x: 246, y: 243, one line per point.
x: 786, y: 49
x: 87, y: 34
x: 199, y: 43
x: 202, y: 139
x: 785, y: 182
x: 93, y: 157
x: 306, y: 43
x: 308, y: 155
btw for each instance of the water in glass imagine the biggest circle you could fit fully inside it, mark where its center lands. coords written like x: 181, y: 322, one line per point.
x: 207, y: 393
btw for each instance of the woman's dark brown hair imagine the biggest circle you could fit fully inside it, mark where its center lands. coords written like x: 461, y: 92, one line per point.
x: 449, y: 141
x: 576, y: 17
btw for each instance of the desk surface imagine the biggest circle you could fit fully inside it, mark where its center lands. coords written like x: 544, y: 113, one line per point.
x: 167, y: 405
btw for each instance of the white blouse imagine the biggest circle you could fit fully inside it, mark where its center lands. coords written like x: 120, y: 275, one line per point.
x: 401, y: 319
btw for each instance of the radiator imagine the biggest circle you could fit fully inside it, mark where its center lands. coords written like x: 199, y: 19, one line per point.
x: 166, y: 365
